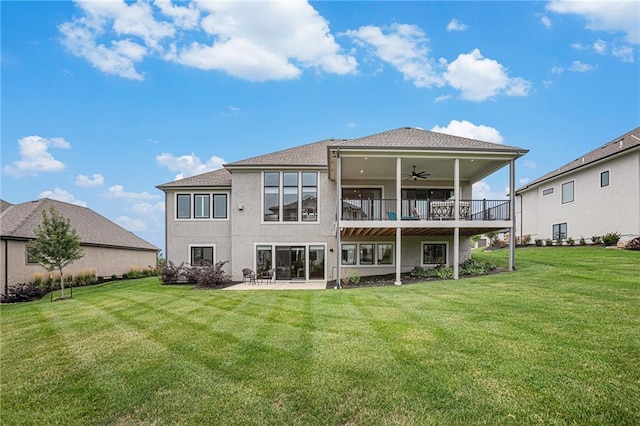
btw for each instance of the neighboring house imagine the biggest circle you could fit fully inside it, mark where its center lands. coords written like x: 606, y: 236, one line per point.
x: 280, y: 210
x: 108, y: 248
x: 597, y: 193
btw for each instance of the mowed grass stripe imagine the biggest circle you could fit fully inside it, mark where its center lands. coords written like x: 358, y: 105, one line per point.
x: 555, y: 342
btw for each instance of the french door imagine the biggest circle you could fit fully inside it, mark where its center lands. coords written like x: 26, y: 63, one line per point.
x: 290, y: 263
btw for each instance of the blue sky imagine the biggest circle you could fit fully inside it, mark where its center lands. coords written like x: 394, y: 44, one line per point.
x: 104, y: 100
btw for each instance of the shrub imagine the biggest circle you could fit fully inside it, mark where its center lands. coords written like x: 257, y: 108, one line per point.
x: 114, y: 277
x: 172, y: 274
x: 351, y: 277
x: 596, y: 239
x: 611, y: 238
x: 538, y: 242
x: 420, y: 272
x: 526, y: 239
x: 548, y: 242
x: 208, y: 276
x: 633, y: 244
x: 472, y: 267
x: 23, y: 292
x: 582, y: 241
x: 497, y: 242
x: 570, y: 241
x: 445, y: 273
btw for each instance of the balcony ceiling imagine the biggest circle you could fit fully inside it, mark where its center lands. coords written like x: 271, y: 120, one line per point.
x: 439, y: 169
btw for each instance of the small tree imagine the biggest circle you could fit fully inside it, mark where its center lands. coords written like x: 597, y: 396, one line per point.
x: 57, y: 244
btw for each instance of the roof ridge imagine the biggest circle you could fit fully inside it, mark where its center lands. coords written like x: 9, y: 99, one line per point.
x: 30, y: 215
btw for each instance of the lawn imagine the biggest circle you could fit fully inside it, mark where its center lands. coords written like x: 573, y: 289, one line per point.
x: 556, y: 342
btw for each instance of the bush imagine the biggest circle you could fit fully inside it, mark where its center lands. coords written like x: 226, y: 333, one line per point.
x: 596, y: 239
x: 351, y: 277
x: 172, y: 274
x: 23, y: 292
x: 633, y: 244
x: 526, y: 240
x: 582, y: 241
x: 538, y: 242
x: 548, y: 242
x: 570, y: 241
x: 497, y: 242
x: 472, y: 267
x: 206, y: 275
x: 611, y: 238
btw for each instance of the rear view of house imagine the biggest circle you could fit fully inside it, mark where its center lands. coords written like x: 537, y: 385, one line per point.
x: 380, y: 204
x: 108, y: 248
x: 597, y: 193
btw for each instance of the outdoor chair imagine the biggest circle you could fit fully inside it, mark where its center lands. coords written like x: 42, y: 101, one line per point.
x: 248, y: 276
x: 268, y: 276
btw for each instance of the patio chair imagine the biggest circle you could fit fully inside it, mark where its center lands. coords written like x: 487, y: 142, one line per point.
x: 268, y: 276
x: 248, y: 276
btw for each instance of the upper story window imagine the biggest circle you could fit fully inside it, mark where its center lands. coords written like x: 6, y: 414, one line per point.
x: 604, y: 179
x: 202, y: 204
x: 567, y: 192
x: 290, y: 197
x: 547, y: 191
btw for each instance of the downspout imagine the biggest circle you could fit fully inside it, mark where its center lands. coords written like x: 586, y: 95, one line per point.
x: 6, y: 267
x: 338, y: 215
x: 512, y: 212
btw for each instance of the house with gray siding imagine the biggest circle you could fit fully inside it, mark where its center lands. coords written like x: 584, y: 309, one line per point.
x: 596, y: 193
x: 380, y: 204
x: 108, y: 248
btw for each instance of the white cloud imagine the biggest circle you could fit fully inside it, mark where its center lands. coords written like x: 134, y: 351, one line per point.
x: 624, y: 53
x: 256, y: 41
x: 87, y: 182
x: 35, y: 156
x: 523, y: 181
x: 467, y: 129
x: 441, y: 98
x: 530, y: 164
x: 557, y: 70
x: 188, y: 165
x: 482, y: 190
x: 147, y: 209
x: 547, y: 83
x: 133, y: 225
x: 456, y: 25
x: 479, y: 78
x: 617, y: 16
x: 405, y: 47
x: 117, y: 191
x: 600, y: 46
x: 544, y: 19
x: 62, y: 195
x: 579, y: 66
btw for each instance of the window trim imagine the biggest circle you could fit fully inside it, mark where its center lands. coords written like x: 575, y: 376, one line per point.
x: 573, y: 192
x: 301, y: 219
x: 433, y: 265
x: 559, y: 225
x: 608, y: 174
x: 202, y: 245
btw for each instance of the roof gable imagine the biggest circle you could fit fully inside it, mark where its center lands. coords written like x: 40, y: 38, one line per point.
x: 216, y: 178
x: 621, y: 144
x: 21, y: 220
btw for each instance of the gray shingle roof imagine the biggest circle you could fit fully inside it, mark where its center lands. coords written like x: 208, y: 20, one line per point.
x: 316, y: 154
x: 414, y: 138
x: 220, y: 178
x: 4, y: 205
x: 618, y: 145
x: 21, y: 220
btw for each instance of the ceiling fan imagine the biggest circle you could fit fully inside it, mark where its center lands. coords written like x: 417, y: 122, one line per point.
x: 417, y: 175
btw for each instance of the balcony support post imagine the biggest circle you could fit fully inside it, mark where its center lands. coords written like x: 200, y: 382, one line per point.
x: 512, y: 215
x: 338, y: 216
x: 456, y: 253
x: 398, y: 280
x: 456, y: 217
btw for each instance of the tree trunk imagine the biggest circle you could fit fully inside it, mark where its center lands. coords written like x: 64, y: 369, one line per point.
x: 61, y: 284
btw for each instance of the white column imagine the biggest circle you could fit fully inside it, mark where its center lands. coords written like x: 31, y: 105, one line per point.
x: 512, y: 212
x: 338, y: 216
x: 398, y: 217
x: 456, y: 217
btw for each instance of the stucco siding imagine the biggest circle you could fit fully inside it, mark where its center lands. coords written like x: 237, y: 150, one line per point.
x: 595, y: 210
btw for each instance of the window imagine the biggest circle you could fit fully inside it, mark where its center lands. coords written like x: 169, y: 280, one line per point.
x: 434, y: 253
x: 219, y: 206
x: 385, y: 254
x: 200, y: 254
x: 184, y: 206
x: 567, y: 192
x: 547, y: 191
x: 560, y: 231
x: 31, y: 255
x: 201, y: 206
x: 290, y: 197
x: 349, y: 254
x: 264, y: 258
x: 316, y: 262
x: 366, y: 254
x: 604, y: 179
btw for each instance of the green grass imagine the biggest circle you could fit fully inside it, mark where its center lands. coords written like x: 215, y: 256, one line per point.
x: 557, y: 342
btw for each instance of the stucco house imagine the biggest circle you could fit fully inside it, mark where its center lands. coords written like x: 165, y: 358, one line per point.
x: 380, y: 204
x: 108, y: 248
x: 597, y: 193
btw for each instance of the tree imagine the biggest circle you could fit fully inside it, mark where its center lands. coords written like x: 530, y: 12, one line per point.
x: 57, y: 244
